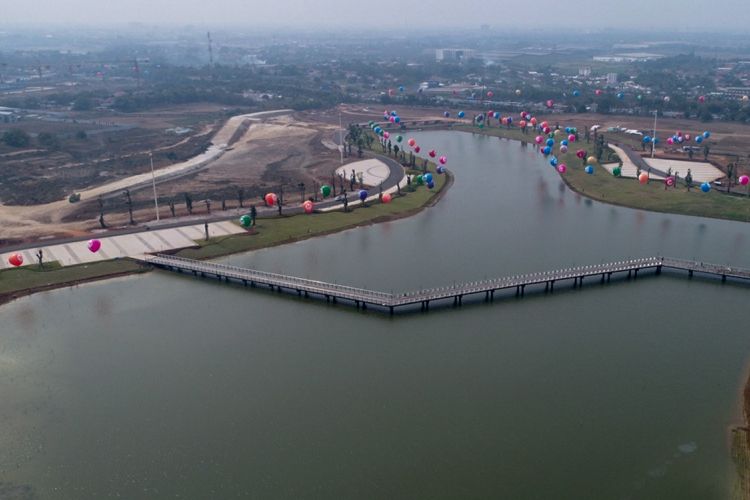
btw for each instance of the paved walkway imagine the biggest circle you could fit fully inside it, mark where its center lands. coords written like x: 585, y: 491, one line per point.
x: 701, y: 171
x: 124, y: 245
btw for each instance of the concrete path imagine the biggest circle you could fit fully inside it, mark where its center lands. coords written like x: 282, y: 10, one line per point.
x: 629, y: 168
x: 701, y: 171
x: 124, y: 245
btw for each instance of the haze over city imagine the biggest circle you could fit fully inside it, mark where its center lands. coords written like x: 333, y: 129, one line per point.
x: 528, y: 17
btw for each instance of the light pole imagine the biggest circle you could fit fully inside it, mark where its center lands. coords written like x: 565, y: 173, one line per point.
x: 341, y: 139
x: 153, y: 182
x: 653, y: 137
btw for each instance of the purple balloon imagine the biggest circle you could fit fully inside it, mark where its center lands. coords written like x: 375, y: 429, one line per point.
x: 362, y: 194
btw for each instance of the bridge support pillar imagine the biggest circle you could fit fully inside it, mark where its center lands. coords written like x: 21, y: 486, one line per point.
x: 460, y: 299
x: 690, y: 273
x: 609, y: 277
x: 244, y: 282
x: 575, y: 282
x: 252, y: 284
x: 658, y: 269
x: 364, y: 306
x: 603, y: 278
x: 333, y: 299
x: 299, y: 293
x: 487, y: 296
x: 580, y: 281
x: 391, y: 308
x: 523, y: 288
x: 306, y: 294
x: 426, y: 305
x: 492, y: 295
x: 630, y: 273
x: 635, y: 273
x: 723, y: 278
x: 328, y: 298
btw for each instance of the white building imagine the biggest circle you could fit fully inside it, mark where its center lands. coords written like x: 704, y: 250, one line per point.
x: 454, y: 55
x: 611, y: 78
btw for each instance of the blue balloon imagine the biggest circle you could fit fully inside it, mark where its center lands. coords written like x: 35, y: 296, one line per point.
x: 547, y: 150
x: 656, y: 140
x: 553, y: 161
x: 397, y: 119
x: 646, y: 139
x: 706, y: 134
x: 705, y: 187
x: 510, y: 119
x: 430, y: 185
x: 589, y: 169
x: 620, y: 95
x: 393, y: 113
x: 378, y: 130
x: 550, y: 142
x: 496, y: 115
x: 427, y: 177
x: 461, y: 114
x: 576, y: 93
x: 447, y: 114
x: 440, y: 169
x: 699, y: 139
x: 480, y: 118
x: 401, y: 88
x: 564, y: 142
x: 362, y: 194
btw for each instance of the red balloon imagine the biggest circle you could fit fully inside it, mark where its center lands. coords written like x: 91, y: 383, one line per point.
x: 490, y: 94
x: 308, y: 207
x: 598, y: 92
x: 580, y: 153
x: 522, y: 123
x: 271, y: 199
x: 550, y: 103
x: 417, y: 149
x: 545, y: 124
x: 533, y: 121
x: 547, y: 130
x: 387, y: 198
x: 432, y: 153
x: 412, y: 142
x: 16, y: 259
x: 702, y: 99
x: 523, y: 114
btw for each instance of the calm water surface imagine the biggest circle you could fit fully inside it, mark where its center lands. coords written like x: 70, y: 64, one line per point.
x: 166, y: 386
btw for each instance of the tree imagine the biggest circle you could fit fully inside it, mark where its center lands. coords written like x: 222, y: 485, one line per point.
x: 81, y: 135
x: 83, y: 103
x: 101, y: 213
x: 129, y: 203
x: 16, y: 138
x: 301, y: 187
x: 171, y: 207
x: 241, y: 196
x: 730, y: 171
x: 706, y: 150
x: 188, y: 203
x: 48, y: 140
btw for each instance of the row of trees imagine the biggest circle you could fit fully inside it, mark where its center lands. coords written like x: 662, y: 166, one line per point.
x: 18, y: 138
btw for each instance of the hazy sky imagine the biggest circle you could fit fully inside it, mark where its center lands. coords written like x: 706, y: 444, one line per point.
x: 531, y: 14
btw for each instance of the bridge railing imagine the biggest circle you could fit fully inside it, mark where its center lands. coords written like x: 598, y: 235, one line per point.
x: 275, y: 278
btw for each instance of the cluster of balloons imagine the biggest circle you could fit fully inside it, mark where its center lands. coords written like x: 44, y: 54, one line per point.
x: 679, y: 137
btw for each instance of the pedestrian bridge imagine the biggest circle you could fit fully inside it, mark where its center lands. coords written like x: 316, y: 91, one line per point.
x: 389, y: 302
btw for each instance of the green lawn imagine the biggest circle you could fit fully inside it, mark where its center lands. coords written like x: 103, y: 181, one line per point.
x: 278, y: 230
x: 605, y: 187
x: 30, y: 277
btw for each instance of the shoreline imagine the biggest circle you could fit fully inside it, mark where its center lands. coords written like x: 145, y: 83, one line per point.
x: 10, y: 296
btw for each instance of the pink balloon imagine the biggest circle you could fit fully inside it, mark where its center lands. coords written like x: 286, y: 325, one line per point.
x: 443, y: 160
x: 572, y: 138
x: 417, y: 149
x: 387, y: 198
x: 744, y: 180
x: 308, y: 206
x: 412, y: 142
x: 539, y: 139
x: 94, y: 245
x: 432, y: 153
x: 562, y: 168
x: 687, y: 137
x: 386, y: 134
x: 670, y: 140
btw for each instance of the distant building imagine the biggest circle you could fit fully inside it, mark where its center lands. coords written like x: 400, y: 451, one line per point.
x: 611, y: 78
x: 584, y: 71
x: 736, y: 91
x: 454, y: 55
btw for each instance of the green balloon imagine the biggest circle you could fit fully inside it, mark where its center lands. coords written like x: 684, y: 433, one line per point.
x: 325, y: 190
x: 420, y: 180
x: 399, y: 138
x: 617, y: 171
x: 245, y: 221
x: 481, y: 125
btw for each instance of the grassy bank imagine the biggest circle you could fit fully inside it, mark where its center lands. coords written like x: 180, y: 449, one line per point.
x: 605, y: 187
x: 268, y: 232
x: 26, y: 280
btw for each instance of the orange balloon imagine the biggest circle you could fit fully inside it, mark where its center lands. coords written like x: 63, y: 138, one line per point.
x: 643, y: 178
x: 387, y: 198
